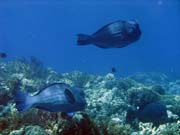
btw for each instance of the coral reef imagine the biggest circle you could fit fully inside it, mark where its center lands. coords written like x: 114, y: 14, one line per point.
x: 159, y: 89
x: 141, y: 96
x: 150, y: 79
x: 108, y: 101
x: 174, y: 87
x: 29, y: 130
x: 118, y: 129
x: 165, y: 129
x: 77, y: 78
x: 173, y: 103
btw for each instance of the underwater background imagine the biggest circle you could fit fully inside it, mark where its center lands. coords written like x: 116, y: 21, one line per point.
x: 48, y: 29
x: 39, y: 38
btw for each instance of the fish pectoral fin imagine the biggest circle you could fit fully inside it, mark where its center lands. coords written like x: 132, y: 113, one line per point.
x: 100, y: 46
x: 70, y: 114
x: 67, y: 115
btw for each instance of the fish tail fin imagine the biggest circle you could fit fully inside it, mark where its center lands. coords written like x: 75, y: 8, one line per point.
x: 84, y: 39
x: 22, y: 101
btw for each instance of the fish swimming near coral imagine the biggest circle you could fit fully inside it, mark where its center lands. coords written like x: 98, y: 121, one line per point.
x: 117, y: 34
x: 113, y: 70
x: 3, y: 55
x: 57, y: 97
x: 154, y: 112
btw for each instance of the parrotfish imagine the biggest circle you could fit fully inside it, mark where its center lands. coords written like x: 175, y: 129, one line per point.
x: 57, y: 97
x: 154, y: 112
x: 113, y: 70
x: 117, y: 34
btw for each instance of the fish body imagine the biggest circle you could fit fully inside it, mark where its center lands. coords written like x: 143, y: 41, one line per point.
x: 114, y: 35
x: 154, y: 112
x: 57, y: 97
x: 113, y: 70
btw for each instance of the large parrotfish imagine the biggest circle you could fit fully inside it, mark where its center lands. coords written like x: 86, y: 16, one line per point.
x: 57, y: 97
x: 117, y: 34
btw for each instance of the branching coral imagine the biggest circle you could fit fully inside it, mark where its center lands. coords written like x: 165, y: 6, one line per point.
x: 118, y: 129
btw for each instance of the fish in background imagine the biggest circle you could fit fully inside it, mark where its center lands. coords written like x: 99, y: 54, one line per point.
x: 57, y: 97
x: 154, y: 112
x: 117, y: 34
x: 113, y: 70
x: 3, y: 55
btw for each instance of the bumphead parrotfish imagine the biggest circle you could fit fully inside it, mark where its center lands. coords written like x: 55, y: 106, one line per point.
x: 57, y: 97
x: 117, y: 34
x: 154, y: 112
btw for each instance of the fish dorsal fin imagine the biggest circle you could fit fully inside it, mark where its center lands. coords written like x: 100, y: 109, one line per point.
x: 52, y: 84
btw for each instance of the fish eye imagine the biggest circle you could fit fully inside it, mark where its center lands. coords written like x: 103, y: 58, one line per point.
x: 69, y: 96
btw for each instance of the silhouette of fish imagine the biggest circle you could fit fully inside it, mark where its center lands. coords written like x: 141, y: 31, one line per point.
x: 113, y: 70
x: 154, y: 112
x: 117, y: 34
x: 3, y: 55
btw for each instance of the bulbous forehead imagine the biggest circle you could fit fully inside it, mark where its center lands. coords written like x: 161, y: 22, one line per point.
x: 133, y: 22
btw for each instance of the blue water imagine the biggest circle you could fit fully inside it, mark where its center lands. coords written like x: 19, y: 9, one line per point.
x: 47, y: 30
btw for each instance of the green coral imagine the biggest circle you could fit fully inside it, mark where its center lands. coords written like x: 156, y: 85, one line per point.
x: 34, y: 130
x: 118, y: 129
x: 125, y: 83
x: 141, y: 96
x: 173, y: 103
x: 151, y: 78
x: 29, y: 130
x: 79, y: 79
x: 171, y: 129
x: 159, y: 89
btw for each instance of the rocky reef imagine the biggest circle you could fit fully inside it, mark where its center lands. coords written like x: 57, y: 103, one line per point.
x: 108, y: 100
